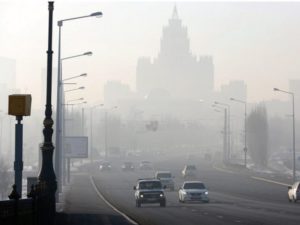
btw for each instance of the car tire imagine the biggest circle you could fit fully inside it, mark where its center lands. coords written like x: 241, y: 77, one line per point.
x: 294, y: 200
x: 163, y: 204
x: 138, y: 203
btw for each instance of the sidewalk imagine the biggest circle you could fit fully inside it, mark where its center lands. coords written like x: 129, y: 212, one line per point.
x: 82, y: 206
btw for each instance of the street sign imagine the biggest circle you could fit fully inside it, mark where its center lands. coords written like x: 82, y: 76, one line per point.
x: 76, y: 147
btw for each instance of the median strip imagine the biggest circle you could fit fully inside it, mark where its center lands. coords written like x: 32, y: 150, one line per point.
x: 110, y: 205
x: 269, y: 181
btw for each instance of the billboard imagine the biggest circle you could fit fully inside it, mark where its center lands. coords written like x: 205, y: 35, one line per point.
x: 76, y: 147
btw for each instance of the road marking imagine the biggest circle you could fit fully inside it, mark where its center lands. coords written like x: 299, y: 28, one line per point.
x: 269, y: 181
x: 109, y: 204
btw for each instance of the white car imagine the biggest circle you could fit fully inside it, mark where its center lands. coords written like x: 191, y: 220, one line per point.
x: 294, y: 192
x: 189, y: 171
x: 193, y: 191
x: 166, y: 179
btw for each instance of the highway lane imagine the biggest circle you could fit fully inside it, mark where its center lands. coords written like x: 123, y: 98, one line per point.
x: 235, y: 198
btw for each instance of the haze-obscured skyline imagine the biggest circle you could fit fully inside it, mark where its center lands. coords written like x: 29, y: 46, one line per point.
x: 255, y: 42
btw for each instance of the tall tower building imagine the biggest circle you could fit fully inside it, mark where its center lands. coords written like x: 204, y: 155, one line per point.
x: 176, y: 70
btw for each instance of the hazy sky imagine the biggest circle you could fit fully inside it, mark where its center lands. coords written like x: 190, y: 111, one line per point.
x: 256, y: 42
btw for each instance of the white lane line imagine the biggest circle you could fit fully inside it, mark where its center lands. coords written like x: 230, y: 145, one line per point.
x: 269, y: 181
x: 109, y: 204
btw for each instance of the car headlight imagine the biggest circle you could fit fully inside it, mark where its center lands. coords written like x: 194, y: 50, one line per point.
x: 206, y: 192
x: 184, y: 192
x: 161, y: 195
x: 142, y: 196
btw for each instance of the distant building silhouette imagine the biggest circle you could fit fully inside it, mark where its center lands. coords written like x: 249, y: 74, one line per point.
x: 7, y: 80
x: 176, y: 69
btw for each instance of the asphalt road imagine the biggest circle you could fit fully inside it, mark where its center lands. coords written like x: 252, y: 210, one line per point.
x: 236, y: 196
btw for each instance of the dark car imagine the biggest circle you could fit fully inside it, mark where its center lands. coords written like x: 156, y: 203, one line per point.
x: 105, y: 166
x: 149, y: 191
x: 128, y: 166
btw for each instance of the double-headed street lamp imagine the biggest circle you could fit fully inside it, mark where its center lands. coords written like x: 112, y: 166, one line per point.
x: 245, y: 146
x: 228, y: 135
x: 293, y: 116
x: 225, y: 132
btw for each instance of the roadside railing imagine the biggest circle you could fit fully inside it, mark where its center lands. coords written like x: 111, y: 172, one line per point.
x: 16, y: 211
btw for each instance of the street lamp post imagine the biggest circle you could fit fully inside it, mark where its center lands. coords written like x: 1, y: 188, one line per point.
x: 245, y: 126
x: 225, y: 132
x: 293, y: 116
x: 228, y: 132
x: 47, y: 184
x: 59, y: 127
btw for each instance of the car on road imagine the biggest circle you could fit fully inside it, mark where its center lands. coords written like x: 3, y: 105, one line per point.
x: 294, y: 192
x: 127, y: 166
x: 189, y: 171
x: 166, y: 179
x: 193, y: 191
x: 149, y: 191
x: 105, y: 166
x: 146, y: 165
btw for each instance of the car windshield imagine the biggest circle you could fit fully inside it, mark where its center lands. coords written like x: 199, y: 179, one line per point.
x: 150, y: 185
x: 194, y: 186
x: 191, y: 167
x: 163, y: 175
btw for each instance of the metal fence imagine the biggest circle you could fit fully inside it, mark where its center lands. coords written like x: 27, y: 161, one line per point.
x: 18, y: 211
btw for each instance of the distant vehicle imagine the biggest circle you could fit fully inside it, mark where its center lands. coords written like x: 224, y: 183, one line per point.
x: 166, y: 179
x: 193, y: 191
x: 294, y: 192
x: 149, y: 191
x: 105, y: 166
x: 189, y: 171
x: 128, y: 166
x: 146, y: 165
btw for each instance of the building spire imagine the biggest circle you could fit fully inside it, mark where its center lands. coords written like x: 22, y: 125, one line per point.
x: 175, y: 13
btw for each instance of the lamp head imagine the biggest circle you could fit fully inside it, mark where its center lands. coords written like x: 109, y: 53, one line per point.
x: 232, y: 99
x: 275, y: 89
x: 83, y: 75
x: 97, y: 14
x: 88, y: 53
x: 81, y: 87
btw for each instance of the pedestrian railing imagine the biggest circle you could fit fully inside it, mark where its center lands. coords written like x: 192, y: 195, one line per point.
x: 16, y: 211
